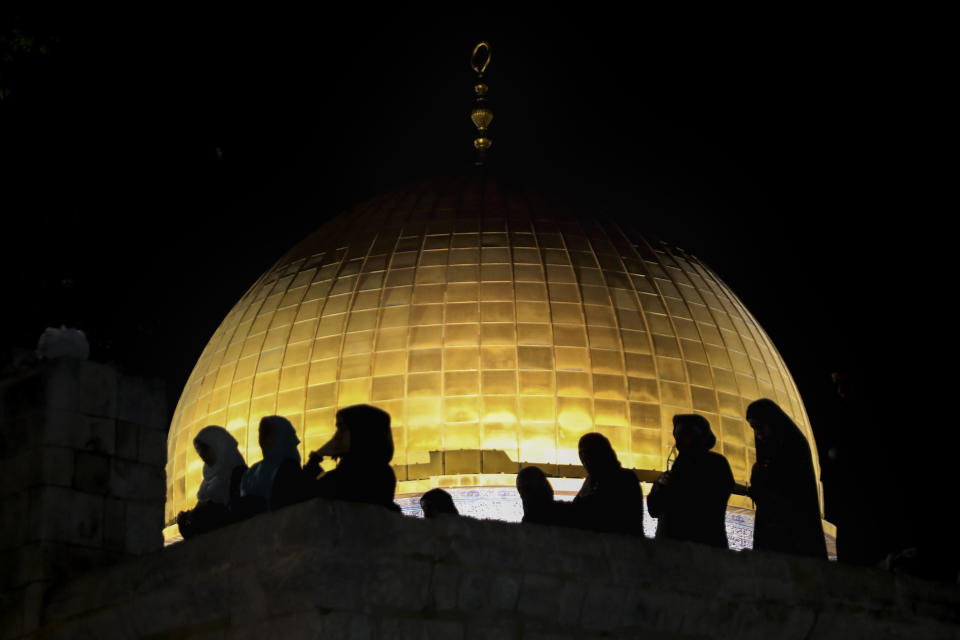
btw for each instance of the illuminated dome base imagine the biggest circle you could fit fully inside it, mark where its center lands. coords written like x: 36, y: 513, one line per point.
x: 496, y: 327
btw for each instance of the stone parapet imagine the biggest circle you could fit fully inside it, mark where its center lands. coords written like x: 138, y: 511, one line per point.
x: 337, y: 570
x: 82, y: 450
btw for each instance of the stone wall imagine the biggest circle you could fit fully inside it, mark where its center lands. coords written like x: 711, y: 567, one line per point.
x: 337, y: 570
x: 82, y: 450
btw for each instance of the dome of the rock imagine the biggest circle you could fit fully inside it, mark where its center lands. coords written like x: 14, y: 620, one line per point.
x: 496, y: 327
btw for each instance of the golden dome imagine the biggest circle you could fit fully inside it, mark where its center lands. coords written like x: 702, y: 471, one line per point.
x: 496, y: 327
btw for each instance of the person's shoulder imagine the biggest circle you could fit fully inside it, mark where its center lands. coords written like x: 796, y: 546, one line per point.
x: 628, y: 477
x: 715, y: 457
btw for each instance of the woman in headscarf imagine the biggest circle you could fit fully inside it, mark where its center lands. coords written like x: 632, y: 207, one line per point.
x: 223, y: 467
x: 363, y: 447
x: 783, y: 485
x: 690, y: 499
x: 610, y: 499
x: 277, y: 480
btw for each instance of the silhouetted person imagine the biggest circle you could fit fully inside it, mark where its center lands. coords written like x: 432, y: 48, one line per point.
x: 277, y: 480
x: 783, y: 485
x: 223, y: 467
x: 437, y: 502
x: 363, y: 447
x: 539, y: 506
x: 690, y: 499
x: 858, y: 463
x: 610, y: 499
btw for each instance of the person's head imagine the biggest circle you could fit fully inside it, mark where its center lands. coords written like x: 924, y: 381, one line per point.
x: 768, y: 421
x: 277, y: 436
x: 692, y: 432
x: 363, y: 433
x: 214, y: 444
x: 436, y: 502
x: 848, y: 383
x: 596, y: 454
x: 533, y: 486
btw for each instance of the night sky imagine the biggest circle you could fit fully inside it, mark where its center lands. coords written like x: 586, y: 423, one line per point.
x: 792, y: 153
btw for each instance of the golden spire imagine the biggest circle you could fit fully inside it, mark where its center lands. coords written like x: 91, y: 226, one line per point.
x: 481, y: 114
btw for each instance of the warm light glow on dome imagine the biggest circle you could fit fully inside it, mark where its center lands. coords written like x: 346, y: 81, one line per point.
x: 496, y: 328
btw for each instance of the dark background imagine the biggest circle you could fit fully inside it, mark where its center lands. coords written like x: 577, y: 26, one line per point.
x: 795, y: 153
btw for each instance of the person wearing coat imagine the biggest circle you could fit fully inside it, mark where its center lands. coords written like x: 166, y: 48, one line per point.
x: 363, y: 447
x: 690, y: 499
x: 277, y: 480
x: 610, y: 499
x: 783, y: 485
x: 223, y: 468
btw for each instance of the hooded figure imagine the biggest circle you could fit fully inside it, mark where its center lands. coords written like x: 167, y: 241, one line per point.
x: 363, y: 446
x: 437, y: 502
x: 610, y: 499
x: 783, y: 485
x: 277, y: 480
x: 223, y: 468
x: 690, y: 499
x: 539, y: 506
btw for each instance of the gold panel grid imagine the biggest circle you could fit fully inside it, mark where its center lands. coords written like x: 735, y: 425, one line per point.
x: 510, y: 328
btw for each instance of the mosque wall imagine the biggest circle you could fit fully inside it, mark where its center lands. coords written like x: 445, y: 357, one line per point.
x: 339, y: 570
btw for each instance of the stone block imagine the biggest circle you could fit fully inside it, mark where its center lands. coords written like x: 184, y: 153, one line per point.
x: 20, y: 518
x: 310, y: 578
x: 487, y: 590
x: 144, y: 528
x: 22, y: 433
x: 570, y: 603
x: 303, y: 624
x: 91, y: 472
x: 539, y: 595
x: 22, y: 565
x: 164, y: 611
x: 444, y: 586
x: 928, y: 598
x: 343, y: 625
x: 152, y: 447
x: 143, y: 401
x: 114, y: 524
x: 488, y: 553
x: 19, y: 472
x: 136, y: 481
x: 57, y: 466
x: 419, y: 629
x: 88, y: 388
x: 127, y: 443
x: 603, y: 607
x: 74, y: 430
x: 492, y: 630
x: 71, y: 516
x: 11, y: 613
x: 33, y: 599
x: 397, y: 584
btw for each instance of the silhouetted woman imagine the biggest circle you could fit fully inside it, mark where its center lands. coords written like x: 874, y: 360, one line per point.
x: 277, y: 480
x: 610, y: 499
x: 223, y: 467
x: 539, y: 506
x: 783, y: 485
x: 690, y: 499
x: 437, y: 502
x: 363, y: 447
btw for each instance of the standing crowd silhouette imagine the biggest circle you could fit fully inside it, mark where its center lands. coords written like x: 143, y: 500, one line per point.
x: 689, y: 499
